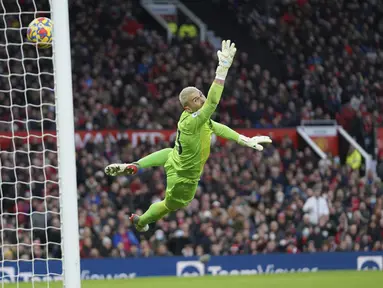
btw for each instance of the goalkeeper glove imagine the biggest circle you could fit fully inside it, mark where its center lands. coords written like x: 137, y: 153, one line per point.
x: 254, y: 142
x: 121, y: 169
x: 225, y: 59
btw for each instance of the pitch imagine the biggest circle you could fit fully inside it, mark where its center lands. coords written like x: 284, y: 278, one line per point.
x: 349, y: 279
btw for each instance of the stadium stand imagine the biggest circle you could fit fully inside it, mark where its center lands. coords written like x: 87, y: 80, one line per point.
x: 262, y: 203
x: 330, y: 50
x: 131, y: 64
x: 247, y: 202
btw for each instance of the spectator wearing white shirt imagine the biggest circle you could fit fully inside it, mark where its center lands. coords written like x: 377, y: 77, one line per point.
x: 316, y: 206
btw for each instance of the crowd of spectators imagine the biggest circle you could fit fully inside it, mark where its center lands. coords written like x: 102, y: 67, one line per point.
x: 126, y: 76
x: 131, y: 78
x: 280, y: 200
x: 330, y: 50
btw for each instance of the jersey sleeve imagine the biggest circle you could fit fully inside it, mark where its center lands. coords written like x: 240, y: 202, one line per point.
x: 224, y: 131
x: 200, y: 117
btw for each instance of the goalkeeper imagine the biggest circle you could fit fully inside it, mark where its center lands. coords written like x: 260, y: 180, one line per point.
x: 184, y: 163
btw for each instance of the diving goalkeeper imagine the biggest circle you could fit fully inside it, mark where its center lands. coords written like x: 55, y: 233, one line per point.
x: 184, y: 163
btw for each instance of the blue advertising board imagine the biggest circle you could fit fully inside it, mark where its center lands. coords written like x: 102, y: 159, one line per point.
x: 181, y: 266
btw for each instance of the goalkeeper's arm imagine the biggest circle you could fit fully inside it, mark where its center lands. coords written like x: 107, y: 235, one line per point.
x: 210, y: 105
x: 224, y: 131
x: 225, y: 57
x: 229, y: 134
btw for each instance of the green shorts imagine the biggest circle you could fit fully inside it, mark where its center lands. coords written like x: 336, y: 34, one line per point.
x: 180, y: 191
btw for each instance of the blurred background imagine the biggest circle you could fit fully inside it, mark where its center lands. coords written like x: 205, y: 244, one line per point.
x: 307, y: 72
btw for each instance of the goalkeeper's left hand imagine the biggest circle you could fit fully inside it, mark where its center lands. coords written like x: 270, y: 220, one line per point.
x: 254, y: 142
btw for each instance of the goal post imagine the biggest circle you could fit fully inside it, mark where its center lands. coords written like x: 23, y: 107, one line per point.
x: 66, y: 143
x: 39, y: 240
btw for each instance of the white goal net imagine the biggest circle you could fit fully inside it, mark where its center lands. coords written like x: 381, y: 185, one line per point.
x: 30, y: 229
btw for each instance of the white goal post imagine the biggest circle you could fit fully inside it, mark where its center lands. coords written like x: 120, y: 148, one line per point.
x: 66, y: 144
x: 39, y: 239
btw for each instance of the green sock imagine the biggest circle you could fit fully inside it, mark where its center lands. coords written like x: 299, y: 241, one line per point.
x: 155, y: 212
x: 158, y: 158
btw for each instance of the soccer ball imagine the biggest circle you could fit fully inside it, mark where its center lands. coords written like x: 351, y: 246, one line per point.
x: 40, y: 32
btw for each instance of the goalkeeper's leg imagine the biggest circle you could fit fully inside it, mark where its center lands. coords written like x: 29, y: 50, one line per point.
x: 155, y: 159
x: 155, y: 212
x: 179, y: 193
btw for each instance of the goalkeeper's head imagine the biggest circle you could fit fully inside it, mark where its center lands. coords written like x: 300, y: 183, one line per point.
x: 192, y: 99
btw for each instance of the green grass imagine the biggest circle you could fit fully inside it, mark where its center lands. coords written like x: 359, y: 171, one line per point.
x: 347, y: 279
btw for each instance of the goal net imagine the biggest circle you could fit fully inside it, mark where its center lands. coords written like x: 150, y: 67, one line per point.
x: 30, y: 214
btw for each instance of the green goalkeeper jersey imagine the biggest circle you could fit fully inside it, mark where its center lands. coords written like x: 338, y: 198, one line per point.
x: 192, y: 145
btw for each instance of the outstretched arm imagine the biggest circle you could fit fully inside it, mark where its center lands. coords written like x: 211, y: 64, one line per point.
x: 225, y: 57
x: 224, y: 131
x: 229, y: 134
x: 210, y: 105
